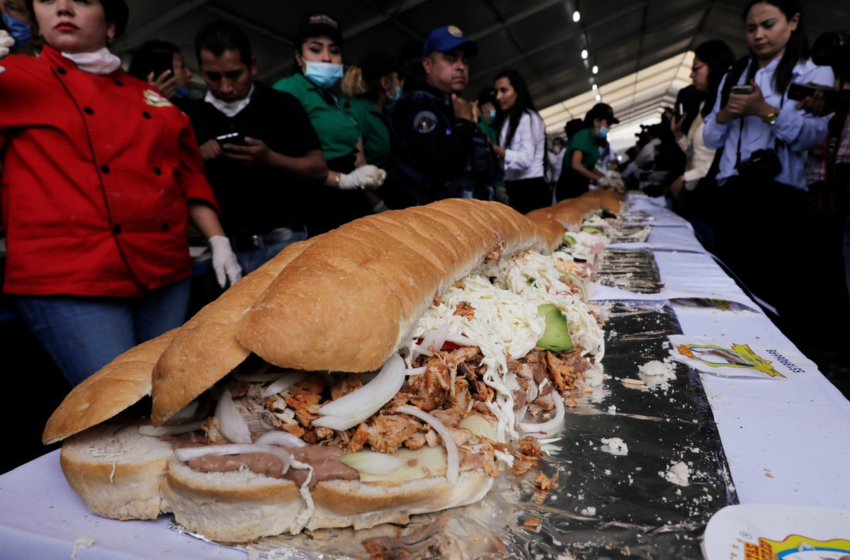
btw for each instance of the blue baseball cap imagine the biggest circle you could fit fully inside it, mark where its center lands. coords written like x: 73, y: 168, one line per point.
x: 447, y: 39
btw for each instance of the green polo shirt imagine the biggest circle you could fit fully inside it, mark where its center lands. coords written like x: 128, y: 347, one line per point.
x: 375, y: 133
x: 488, y: 130
x: 337, y: 132
x: 586, y: 141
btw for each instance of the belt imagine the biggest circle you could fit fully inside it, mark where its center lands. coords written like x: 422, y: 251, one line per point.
x: 260, y: 241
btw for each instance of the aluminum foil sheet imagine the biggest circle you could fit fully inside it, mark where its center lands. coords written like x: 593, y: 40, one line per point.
x: 605, y: 505
x: 629, y: 233
x: 634, y: 270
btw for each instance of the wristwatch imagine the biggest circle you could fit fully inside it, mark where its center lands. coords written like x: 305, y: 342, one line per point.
x: 771, y: 117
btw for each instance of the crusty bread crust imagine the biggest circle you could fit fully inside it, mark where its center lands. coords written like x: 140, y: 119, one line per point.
x: 552, y: 230
x: 349, y: 300
x: 113, y: 389
x: 231, y: 507
x: 117, y: 471
x: 243, y: 506
x: 205, y: 349
x: 345, y: 503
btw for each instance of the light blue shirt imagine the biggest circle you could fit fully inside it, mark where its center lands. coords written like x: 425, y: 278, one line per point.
x: 796, y: 130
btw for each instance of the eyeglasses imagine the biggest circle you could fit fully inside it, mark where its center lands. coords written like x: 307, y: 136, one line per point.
x: 697, y: 65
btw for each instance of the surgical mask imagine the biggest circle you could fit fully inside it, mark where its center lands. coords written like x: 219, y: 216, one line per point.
x: 601, y: 151
x: 323, y: 74
x: 182, y: 93
x: 492, y: 115
x: 602, y: 132
x: 18, y: 30
x: 396, y: 96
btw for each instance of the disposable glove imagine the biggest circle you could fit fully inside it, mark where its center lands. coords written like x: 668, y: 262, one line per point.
x: 224, y: 261
x: 502, y: 196
x: 6, y: 43
x: 367, y: 176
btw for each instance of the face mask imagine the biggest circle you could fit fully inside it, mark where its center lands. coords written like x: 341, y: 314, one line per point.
x: 601, y: 151
x: 602, y: 132
x: 395, y: 97
x: 18, y: 30
x: 323, y: 74
x: 493, y: 115
x: 182, y: 93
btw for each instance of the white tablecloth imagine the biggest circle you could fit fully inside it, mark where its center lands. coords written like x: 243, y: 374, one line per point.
x: 786, y: 441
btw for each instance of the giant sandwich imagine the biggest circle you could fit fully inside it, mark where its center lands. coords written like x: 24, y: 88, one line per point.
x: 374, y: 372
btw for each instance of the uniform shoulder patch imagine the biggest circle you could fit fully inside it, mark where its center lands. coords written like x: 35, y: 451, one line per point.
x: 154, y: 99
x: 424, y: 122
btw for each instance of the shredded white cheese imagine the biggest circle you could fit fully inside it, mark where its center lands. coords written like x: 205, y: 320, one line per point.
x: 88, y: 542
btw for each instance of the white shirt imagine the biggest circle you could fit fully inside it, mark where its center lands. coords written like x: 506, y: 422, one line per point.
x: 524, y: 157
x: 699, y: 162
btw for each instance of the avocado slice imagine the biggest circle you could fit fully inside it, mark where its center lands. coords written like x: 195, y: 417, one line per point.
x: 556, y: 337
x: 591, y: 229
x: 569, y: 240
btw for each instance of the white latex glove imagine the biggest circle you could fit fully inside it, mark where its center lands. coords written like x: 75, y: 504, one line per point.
x: 6, y: 43
x: 502, y: 196
x: 366, y: 176
x: 380, y: 207
x: 224, y: 261
x: 605, y: 182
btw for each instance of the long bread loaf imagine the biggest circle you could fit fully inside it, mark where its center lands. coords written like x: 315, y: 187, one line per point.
x: 350, y: 299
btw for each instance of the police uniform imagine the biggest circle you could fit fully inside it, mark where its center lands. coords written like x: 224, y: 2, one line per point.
x: 437, y: 154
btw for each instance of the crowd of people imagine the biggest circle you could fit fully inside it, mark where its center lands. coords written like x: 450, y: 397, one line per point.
x: 96, y: 214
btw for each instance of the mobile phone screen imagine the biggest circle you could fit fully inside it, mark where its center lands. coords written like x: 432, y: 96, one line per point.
x: 161, y: 60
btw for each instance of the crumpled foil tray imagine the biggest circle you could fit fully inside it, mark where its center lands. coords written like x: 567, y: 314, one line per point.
x: 634, y: 270
x: 605, y: 506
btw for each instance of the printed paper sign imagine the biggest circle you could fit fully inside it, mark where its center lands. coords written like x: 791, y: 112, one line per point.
x: 781, y: 532
x: 740, y: 359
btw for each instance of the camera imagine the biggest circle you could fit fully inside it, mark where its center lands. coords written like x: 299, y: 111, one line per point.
x: 762, y: 164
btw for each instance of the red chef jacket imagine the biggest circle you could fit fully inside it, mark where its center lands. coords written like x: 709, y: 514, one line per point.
x: 95, y: 181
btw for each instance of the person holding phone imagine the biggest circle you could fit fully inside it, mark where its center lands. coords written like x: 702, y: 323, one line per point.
x: 765, y: 138
x: 261, y: 153
x: 161, y: 64
x: 101, y: 175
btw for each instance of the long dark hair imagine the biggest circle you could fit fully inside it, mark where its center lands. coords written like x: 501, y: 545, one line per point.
x: 796, y: 49
x: 719, y: 58
x: 523, y: 104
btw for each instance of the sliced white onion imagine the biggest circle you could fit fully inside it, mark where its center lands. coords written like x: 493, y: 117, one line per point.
x: 428, y: 338
x: 187, y: 411
x: 371, y: 462
x: 440, y: 337
x: 415, y: 371
x: 284, y: 439
x: 461, y: 339
x: 550, y: 428
x: 284, y: 382
x: 189, y: 453
x: 451, y: 447
x: 230, y: 422
x: 169, y: 430
x: 348, y: 411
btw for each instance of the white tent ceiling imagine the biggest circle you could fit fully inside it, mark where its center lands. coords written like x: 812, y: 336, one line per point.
x: 640, y: 46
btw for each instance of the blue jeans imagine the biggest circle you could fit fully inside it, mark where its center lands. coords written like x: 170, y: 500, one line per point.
x: 82, y: 334
x: 252, y: 260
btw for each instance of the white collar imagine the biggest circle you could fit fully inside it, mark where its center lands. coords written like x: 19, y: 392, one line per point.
x: 100, y: 62
x: 229, y: 108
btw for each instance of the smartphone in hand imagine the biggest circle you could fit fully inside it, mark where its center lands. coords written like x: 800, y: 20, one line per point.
x: 743, y: 90
x: 234, y: 138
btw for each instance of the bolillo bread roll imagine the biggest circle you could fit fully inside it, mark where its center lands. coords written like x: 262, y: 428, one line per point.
x: 205, y: 349
x: 113, y: 468
x: 349, y: 300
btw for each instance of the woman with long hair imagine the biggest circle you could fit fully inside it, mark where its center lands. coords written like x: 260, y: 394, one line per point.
x: 101, y: 174
x: 762, y: 188
x: 712, y: 59
x: 522, y: 143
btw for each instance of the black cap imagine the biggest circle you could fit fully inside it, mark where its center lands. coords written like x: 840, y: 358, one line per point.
x: 314, y: 25
x: 603, y: 111
x: 377, y: 64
